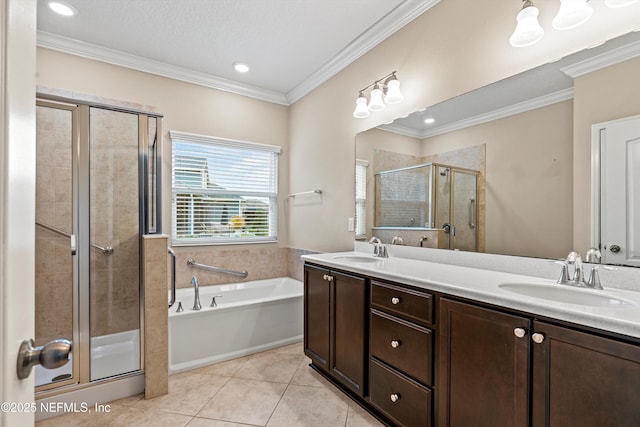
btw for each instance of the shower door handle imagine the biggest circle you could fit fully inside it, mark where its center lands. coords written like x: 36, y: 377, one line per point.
x: 472, y: 203
x: 74, y: 244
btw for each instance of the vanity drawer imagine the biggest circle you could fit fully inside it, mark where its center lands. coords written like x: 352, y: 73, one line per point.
x: 403, y: 345
x: 405, y: 303
x: 404, y: 401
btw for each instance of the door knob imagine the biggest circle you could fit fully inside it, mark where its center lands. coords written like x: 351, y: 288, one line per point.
x: 614, y: 248
x: 51, y: 355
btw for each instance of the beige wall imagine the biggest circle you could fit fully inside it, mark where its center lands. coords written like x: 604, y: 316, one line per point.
x: 188, y: 108
x: 607, y: 94
x: 528, y: 179
x: 455, y: 47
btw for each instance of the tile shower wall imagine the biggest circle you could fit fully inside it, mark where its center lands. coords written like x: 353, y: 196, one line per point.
x: 115, y: 279
x: 54, y: 268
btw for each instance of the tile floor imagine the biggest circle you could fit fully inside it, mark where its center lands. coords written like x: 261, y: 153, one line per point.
x: 272, y: 388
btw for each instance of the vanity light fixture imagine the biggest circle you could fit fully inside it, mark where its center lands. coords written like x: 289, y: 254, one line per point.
x: 62, y: 8
x: 385, y: 91
x: 572, y: 13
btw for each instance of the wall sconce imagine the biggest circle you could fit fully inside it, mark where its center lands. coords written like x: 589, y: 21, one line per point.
x: 571, y: 14
x: 388, y: 86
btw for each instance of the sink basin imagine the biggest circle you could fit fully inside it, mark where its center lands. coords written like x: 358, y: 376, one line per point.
x: 566, y: 294
x: 356, y: 258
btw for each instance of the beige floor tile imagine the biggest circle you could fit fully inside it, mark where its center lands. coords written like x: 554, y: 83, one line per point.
x: 205, y: 422
x: 296, y: 349
x: 306, y: 375
x: 129, y: 401
x: 149, y: 417
x: 358, y: 417
x: 244, y: 401
x: 223, y: 369
x: 188, y: 393
x: 310, y: 406
x: 276, y: 367
x: 86, y: 419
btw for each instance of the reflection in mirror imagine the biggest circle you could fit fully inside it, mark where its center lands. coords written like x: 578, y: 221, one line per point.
x: 519, y: 135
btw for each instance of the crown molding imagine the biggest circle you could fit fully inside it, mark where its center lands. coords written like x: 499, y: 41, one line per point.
x: 396, y: 19
x: 385, y: 27
x: 138, y: 63
x: 521, y: 107
x: 402, y: 130
x: 603, y: 60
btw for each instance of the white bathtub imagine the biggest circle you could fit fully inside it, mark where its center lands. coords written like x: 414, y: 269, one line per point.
x: 250, y: 317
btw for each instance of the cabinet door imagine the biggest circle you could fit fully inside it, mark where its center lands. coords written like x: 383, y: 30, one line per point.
x: 316, y: 315
x: 348, y: 327
x: 483, y: 367
x: 584, y: 380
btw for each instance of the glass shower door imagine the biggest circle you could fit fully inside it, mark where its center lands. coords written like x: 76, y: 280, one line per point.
x: 114, y: 242
x: 464, y: 210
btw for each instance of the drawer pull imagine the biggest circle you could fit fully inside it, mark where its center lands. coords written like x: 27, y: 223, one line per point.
x: 395, y: 300
x: 395, y: 343
x: 395, y: 397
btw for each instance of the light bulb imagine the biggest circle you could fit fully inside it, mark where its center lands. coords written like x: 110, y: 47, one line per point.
x: 528, y: 30
x: 619, y: 3
x: 571, y: 14
x: 361, y: 110
x: 393, y: 95
x: 375, y: 103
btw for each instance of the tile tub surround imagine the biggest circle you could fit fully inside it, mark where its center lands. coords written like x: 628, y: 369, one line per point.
x: 482, y: 285
x: 273, y: 388
x: 156, y: 341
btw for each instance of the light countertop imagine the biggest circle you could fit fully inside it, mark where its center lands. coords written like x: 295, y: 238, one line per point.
x: 483, y: 286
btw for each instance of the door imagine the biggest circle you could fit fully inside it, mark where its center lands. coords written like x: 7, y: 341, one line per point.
x: 583, y: 380
x: 483, y: 367
x: 619, y: 210
x: 464, y: 211
x: 17, y: 211
x: 316, y: 315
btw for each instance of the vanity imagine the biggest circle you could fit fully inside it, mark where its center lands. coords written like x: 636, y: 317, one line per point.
x: 420, y: 343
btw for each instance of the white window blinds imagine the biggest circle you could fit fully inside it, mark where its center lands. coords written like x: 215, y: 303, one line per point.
x: 361, y: 198
x: 223, y: 191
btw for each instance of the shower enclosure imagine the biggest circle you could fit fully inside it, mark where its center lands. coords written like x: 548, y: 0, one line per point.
x: 96, y: 194
x: 430, y: 196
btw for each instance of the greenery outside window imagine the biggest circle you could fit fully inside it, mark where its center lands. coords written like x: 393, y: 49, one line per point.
x: 223, y: 191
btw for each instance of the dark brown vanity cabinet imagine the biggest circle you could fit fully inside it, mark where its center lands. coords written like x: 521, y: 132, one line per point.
x: 335, y: 325
x: 501, y: 369
x: 584, y: 380
x: 401, y: 348
x: 483, y: 367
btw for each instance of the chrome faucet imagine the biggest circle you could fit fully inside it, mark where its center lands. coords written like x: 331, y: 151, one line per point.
x: 196, y: 300
x: 397, y: 240
x: 575, y: 279
x: 379, y: 250
x: 422, y: 240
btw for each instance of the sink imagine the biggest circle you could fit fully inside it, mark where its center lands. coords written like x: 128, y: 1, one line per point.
x: 566, y: 294
x: 356, y: 258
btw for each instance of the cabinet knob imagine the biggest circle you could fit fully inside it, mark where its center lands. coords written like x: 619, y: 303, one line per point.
x: 519, y: 332
x: 394, y: 397
x: 537, y: 338
x: 327, y: 277
x: 395, y: 300
x: 395, y: 343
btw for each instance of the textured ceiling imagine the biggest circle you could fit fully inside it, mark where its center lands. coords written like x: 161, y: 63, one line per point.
x: 283, y: 41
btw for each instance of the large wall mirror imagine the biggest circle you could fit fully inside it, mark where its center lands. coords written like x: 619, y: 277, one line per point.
x: 517, y: 137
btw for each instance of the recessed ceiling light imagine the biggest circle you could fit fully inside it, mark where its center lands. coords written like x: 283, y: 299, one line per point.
x: 62, y: 8
x: 429, y: 120
x: 240, y: 67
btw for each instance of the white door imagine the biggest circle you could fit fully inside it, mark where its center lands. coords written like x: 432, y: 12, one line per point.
x: 17, y: 202
x: 620, y: 191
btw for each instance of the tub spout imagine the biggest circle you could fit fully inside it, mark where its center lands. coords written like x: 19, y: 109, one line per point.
x: 196, y: 299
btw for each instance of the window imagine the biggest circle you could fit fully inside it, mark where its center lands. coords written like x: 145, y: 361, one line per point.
x: 361, y: 198
x: 223, y: 191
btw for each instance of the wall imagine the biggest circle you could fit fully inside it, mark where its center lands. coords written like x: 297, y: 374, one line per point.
x: 455, y: 47
x: 187, y: 108
x: 603, y: 95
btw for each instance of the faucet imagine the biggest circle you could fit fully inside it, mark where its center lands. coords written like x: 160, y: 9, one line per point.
x: 422, y: 240
x: 397, y: 240
x: 196, y: 300
x: 577, y: 278
x: 593, y: 256
x: 379, y: 250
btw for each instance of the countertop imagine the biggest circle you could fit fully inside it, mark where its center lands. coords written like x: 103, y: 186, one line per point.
x: 483, y: 285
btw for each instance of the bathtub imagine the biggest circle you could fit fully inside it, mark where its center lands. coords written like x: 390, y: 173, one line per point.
x: 250, y: 317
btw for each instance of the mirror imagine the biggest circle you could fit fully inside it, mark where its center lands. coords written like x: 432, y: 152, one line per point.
x: 519, y: 135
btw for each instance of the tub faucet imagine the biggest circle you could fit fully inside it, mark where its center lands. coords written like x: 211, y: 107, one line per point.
x: 196, y: 300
